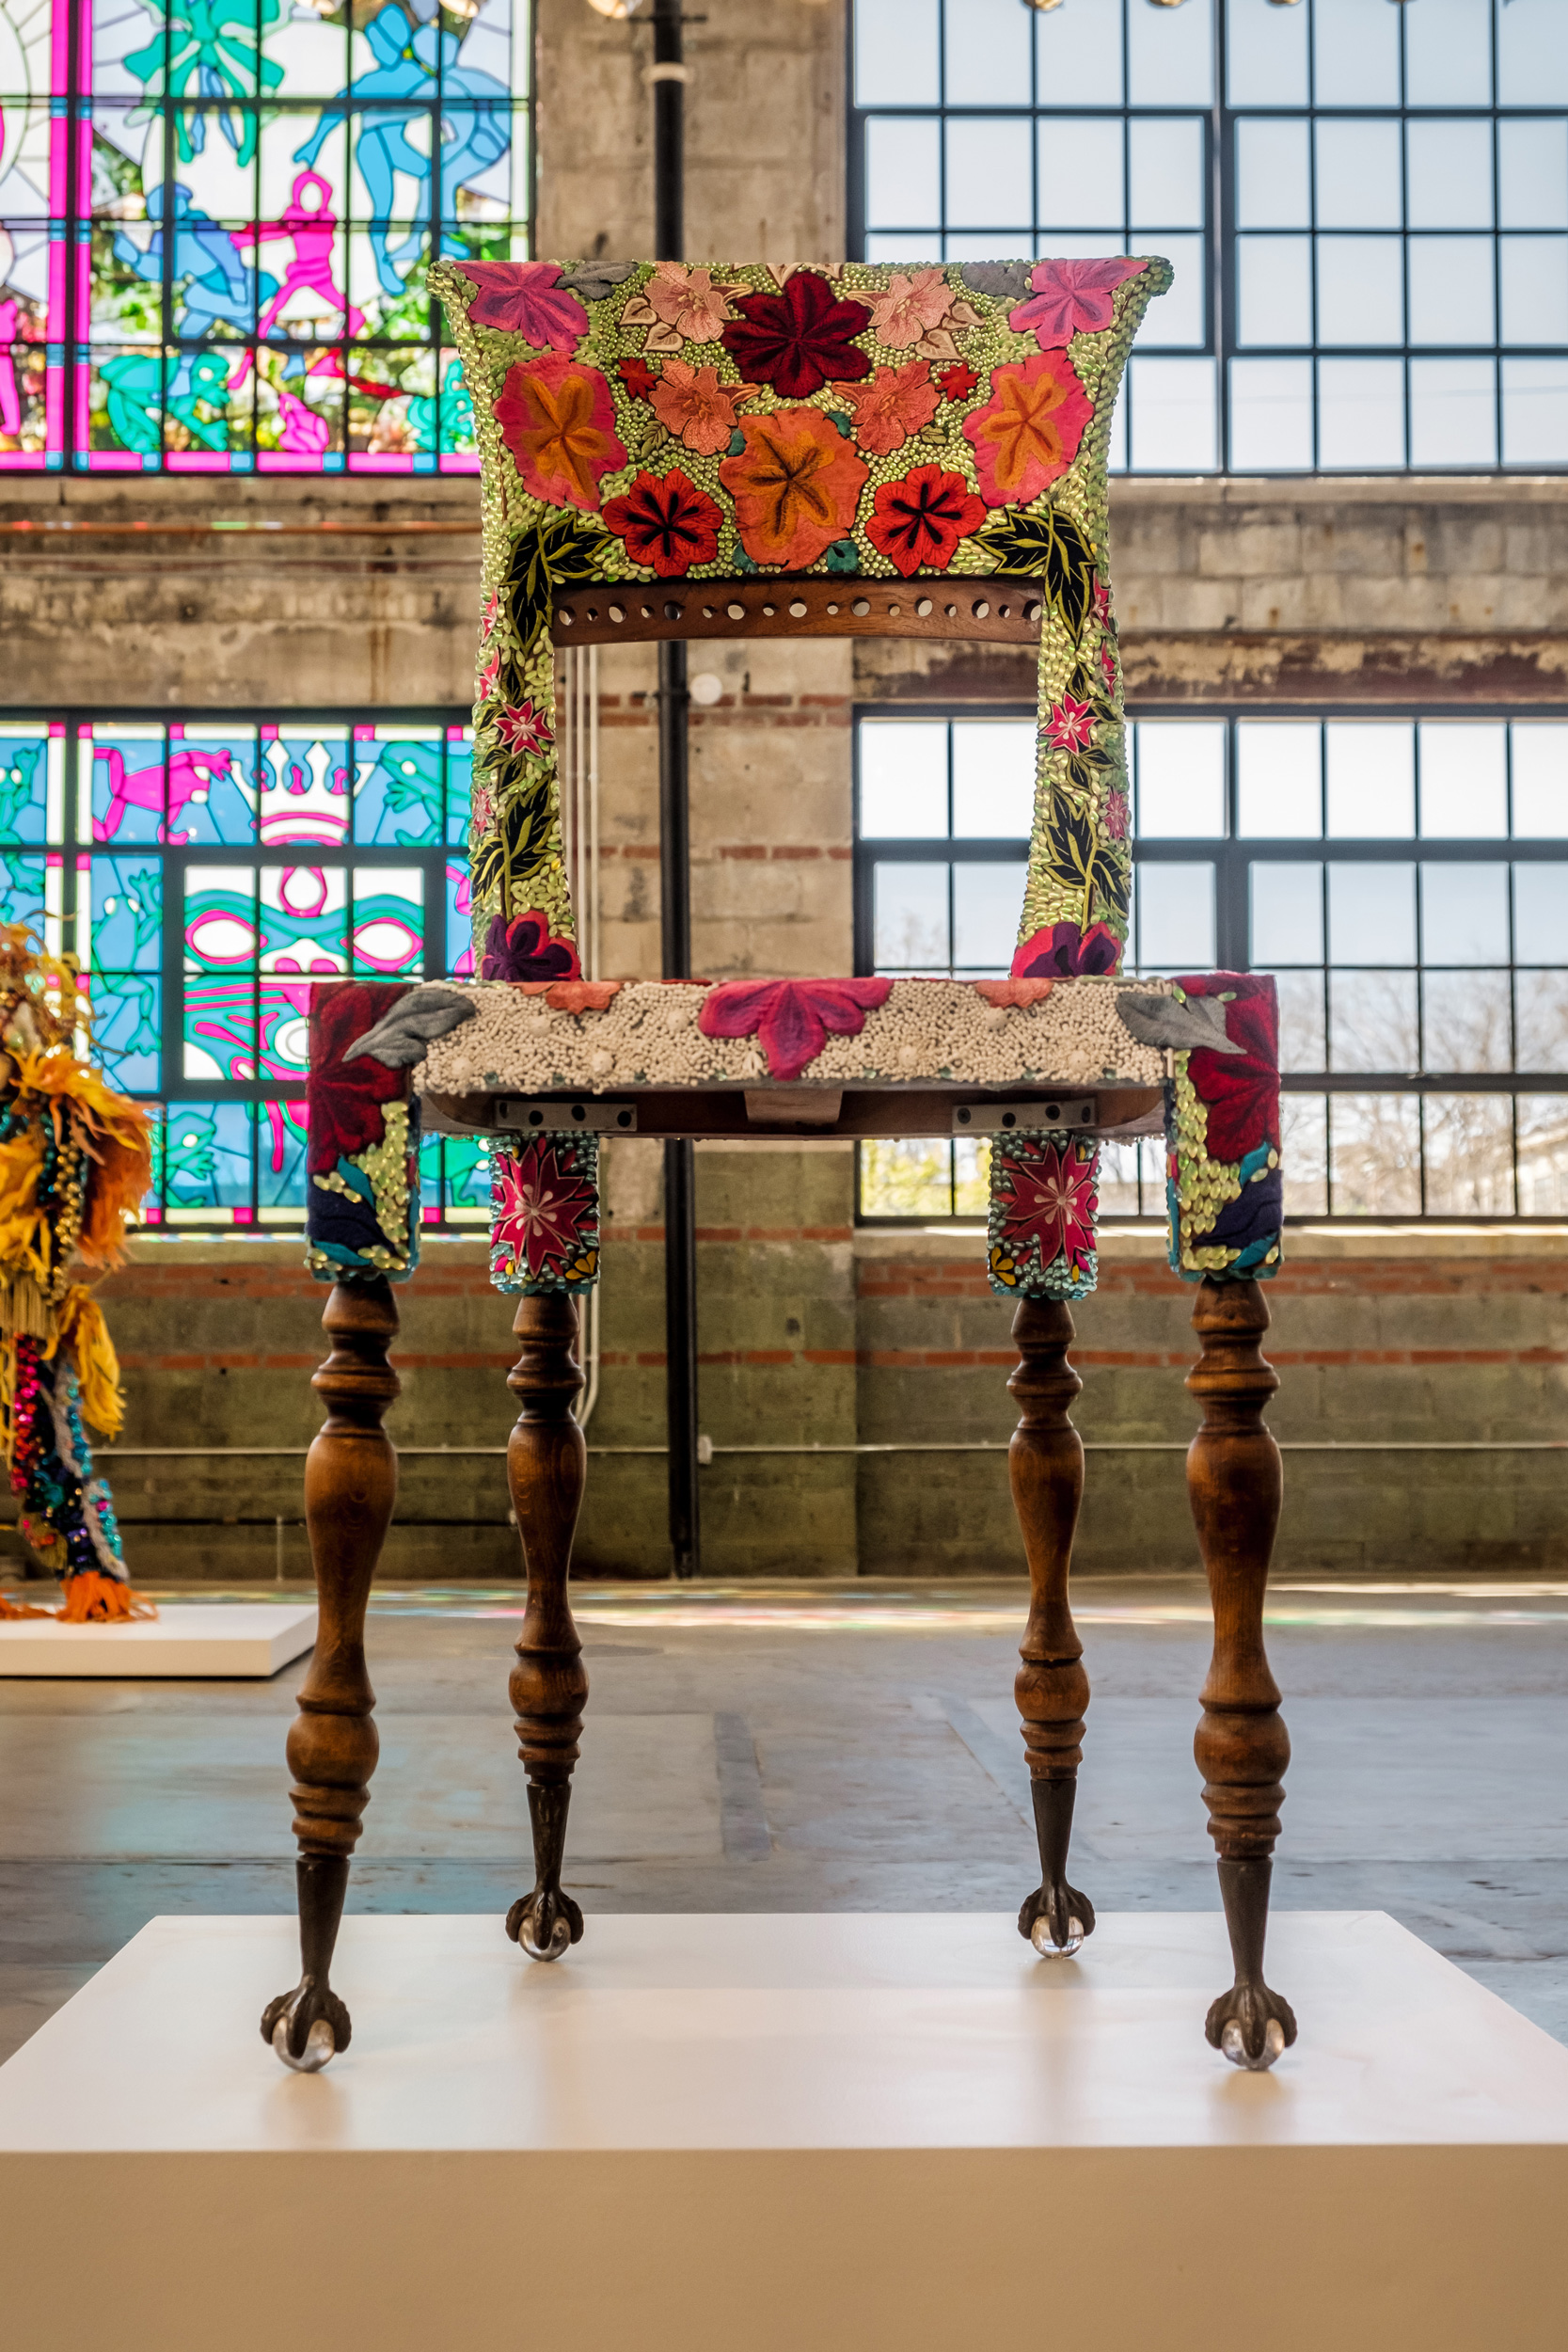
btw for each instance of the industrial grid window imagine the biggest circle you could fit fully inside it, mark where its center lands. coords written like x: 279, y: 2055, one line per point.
x: 217, y: 218
x: 1405, y: 878
x: 1367, y: 207
x: 204, y: 871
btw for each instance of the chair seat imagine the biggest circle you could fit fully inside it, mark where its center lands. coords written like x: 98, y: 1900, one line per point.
x: 827, y: 1056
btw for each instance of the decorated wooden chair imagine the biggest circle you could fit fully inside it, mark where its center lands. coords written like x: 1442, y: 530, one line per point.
x: 731, y: 453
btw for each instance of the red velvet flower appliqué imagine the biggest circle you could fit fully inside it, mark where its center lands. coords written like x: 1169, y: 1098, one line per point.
x: 799, y: 339
x: 917, y: 523
x: 666, y: 521
x: 526, y: 298
x: 345, y: 1097
x: 790, y: 1018
x: 1241, y: 1090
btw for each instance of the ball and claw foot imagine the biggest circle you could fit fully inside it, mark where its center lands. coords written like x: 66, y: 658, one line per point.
x: 1251, y: 2026
x: 306, y: 2027
x: 544, y: 1923
x: 1056, y: 1920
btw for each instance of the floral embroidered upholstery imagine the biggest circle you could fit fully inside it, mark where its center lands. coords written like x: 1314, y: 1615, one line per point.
x: 650, y: 422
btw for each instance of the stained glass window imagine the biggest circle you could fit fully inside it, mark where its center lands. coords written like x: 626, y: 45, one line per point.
x: 217, y: 218
x: 206, y: 871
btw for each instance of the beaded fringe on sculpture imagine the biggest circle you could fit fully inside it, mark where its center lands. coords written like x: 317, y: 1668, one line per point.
x: 75, y: 1160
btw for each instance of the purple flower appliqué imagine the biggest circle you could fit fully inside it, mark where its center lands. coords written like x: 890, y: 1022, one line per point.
x: 1065, y: 951
x: 524, y: 950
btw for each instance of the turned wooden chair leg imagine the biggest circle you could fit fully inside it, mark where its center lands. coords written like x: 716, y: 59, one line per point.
x: 1045, y: 1462
x: 1242, y: 1746
x: 546, y: 1462
x: 351, y: 1482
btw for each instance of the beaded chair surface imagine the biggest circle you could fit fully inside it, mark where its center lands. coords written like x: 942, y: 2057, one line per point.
x: 683, y: 451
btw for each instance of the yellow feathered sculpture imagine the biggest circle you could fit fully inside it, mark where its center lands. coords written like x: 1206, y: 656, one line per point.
x: 75, y: 1160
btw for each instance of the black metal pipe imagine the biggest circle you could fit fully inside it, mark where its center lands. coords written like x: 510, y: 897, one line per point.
x: 675, y: 869
x: 669, y: 136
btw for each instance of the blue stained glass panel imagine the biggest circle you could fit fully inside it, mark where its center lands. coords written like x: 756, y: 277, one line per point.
x: 125, y: 914
x: 22, y: 889
x: 280, y: 1171
x: 398, y: 784
x: 31, y: 782
x: 212, y: 786
x: 460, y: 785
x: 467, y: 1173
x: 207, y: 1156
x: 430, y: 1179
x: 128, y: 1029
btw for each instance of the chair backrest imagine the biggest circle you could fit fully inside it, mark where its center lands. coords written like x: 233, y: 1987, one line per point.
x: 723, y: 451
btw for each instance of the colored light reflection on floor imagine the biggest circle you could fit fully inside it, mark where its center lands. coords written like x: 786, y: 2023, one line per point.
x: 1380, y: 1607
x: 737, y: 1608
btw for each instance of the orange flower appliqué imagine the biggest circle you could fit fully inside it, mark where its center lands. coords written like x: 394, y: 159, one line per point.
x: 679, y: 306
x: 558, y: 419
x: 1028, y: 432
x: 795, y: 485
x: 699, y: 410
x: 894, y: 404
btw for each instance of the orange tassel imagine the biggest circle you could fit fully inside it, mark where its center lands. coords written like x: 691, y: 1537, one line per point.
x: 92, y: 1599
x: 13, y: 1609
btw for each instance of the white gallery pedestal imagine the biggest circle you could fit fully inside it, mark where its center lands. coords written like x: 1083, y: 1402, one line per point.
x: 196, y: 1640
x: 786, y: 2134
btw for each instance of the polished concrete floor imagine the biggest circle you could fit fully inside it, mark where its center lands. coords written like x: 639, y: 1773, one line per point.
x: 811, y: 1747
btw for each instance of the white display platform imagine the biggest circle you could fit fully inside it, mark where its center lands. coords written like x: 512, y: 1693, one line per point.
x: 245, y: 1638
x: 755, y: 2133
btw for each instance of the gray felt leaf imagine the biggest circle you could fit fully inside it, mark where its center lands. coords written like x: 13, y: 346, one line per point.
x: 1166, y: 1021
x: 412, y: 1026
x: 1005, y: 281
x: 594, y: 279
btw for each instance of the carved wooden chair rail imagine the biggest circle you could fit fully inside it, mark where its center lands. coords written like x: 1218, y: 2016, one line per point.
x: 967, y: 492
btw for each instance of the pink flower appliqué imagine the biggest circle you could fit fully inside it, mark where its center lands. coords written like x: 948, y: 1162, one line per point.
x: 1046, y: 1192
x: 1070, y: 299
x: 1070, y: 725
x: 791, y: 1018
x: 539, y: 1210
x: 526, y: 298
x: 522, y: 728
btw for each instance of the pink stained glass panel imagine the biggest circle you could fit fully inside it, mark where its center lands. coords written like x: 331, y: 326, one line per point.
x: 122, y: 782
x: 303, y: 915
x: 221, y: 934
x: 388, y: 919
x: 306, y: 781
